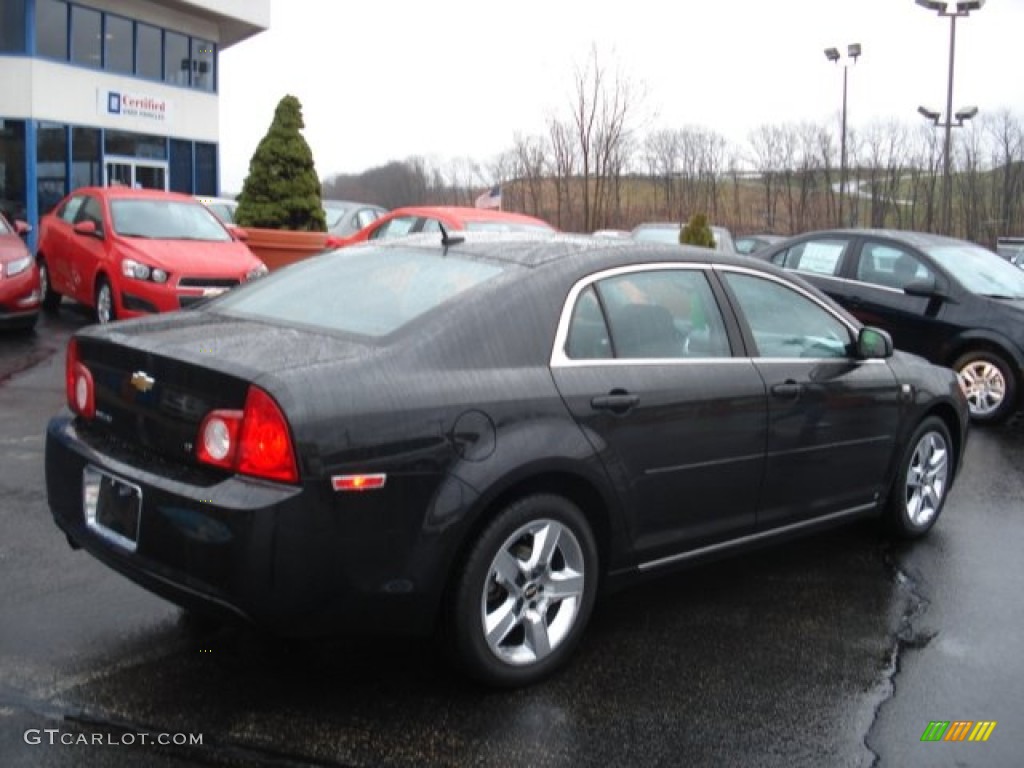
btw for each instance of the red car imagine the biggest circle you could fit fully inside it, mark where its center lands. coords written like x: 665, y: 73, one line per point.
x: 19, y: 278
x: 413, y: 220
x: 130, y: 252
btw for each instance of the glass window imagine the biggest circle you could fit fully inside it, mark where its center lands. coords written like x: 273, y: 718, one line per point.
x: 819, y: 257
x: 206, y: 169
x: 785, y: 323
x: 397, y: 227
x: 69, y: 211
x: 366, y: 216
x: 149, y: 52
x: 13, y: 200
x: 51, y: 166
x: 588, y: 337
x: 86, y: 36
x: 203, y: 58
x: 12, y: 26
x: 663, y: 314
x: 176, y: 58
x: 85, y: 158
x: 181, y: 167
x: 52, y: 29
x: 91, y: 210
x: 890, y: 265
x: 365, y: 291
x: 979, y: 270
x: 135, y: 145
x: 119, y: 54
x: 165, y: 220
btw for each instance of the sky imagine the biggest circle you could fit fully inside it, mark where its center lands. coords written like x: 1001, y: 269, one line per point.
x: 450, y: 79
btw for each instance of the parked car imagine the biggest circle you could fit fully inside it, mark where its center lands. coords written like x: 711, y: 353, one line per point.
x: 471, y: 433
x: 416, y: 219
x: 346, y: 217
x: 750, y: 243
x: 19, y: 277
x: 1011, y: 249
x: 223, y: 208
x: 668, y: 232
x: 948, y: 300
x: 129, y: 252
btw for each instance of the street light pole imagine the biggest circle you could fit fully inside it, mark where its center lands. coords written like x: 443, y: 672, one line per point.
x: 963, y: 9
x: 832, y: 54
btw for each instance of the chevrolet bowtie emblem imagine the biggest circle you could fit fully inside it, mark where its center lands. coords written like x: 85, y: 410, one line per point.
x: 142, y: 381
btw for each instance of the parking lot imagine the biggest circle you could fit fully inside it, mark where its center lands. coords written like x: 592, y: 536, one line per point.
x: 835, y: 650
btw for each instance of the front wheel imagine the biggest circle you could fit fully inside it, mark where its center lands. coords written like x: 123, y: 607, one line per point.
x: 525, y: 593
x: 920, y: 489
x: 988, y: 384
x: 105, y: 312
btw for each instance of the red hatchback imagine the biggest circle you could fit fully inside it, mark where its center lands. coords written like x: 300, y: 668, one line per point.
x: 429, y: 218
x: 131, y: 252
x: 19, y: 278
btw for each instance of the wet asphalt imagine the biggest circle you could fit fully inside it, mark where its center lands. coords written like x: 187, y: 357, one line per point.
x: 835, y: 650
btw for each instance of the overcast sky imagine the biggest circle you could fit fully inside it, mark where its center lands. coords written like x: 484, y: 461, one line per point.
x: 444, y: 79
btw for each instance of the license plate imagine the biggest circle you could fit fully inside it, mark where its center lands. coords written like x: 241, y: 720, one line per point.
x: 113, y: 507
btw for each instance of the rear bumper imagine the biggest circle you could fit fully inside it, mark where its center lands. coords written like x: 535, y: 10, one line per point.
x: 275, y: 555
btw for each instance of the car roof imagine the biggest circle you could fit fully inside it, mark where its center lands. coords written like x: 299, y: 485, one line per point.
x: 139, y: 194
x: 465, y: 213
x: 916, y: 239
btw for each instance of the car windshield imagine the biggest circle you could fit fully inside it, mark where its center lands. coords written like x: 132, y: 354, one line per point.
x: 166, y: 220
x: 506, y: 226
x: 369, y: 291
x: 980, y: 271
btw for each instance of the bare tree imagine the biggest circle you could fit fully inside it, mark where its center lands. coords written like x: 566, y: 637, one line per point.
x: 564, y: 156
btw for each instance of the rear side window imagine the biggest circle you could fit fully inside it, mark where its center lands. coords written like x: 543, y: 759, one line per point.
x: 364, y: 291
x: 818, y: 257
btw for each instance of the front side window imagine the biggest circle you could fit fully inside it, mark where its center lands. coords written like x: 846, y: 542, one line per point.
x: 69, y: 211
x: 890, y: 266
x: 818, y: 257
x: 397, y: 227
x: 785, y: 323
x: 91, y: 210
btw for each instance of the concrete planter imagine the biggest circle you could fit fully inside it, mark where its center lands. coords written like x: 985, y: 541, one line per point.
x: 281, y: 247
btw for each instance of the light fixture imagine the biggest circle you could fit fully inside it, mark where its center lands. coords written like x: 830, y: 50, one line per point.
x: 929, y: 114
x: 966, y: 113
x: 832, y: 54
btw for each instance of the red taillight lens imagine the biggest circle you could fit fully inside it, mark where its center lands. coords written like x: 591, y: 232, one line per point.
x: 81, y: 391
x: 265, y: 445
x: 253, y: 441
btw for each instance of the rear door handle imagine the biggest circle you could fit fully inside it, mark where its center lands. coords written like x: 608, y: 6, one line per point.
x: 616, y: 401
x: 787, y: 389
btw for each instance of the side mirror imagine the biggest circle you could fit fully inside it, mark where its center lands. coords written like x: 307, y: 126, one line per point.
x: 237, y: 233
x: 86, y: 228
x: 873, y: 344
x: 925, y: 288
x: 22, y: 228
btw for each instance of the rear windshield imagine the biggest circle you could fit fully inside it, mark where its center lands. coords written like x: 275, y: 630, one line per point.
x: 506, y: 226
x: 166, y: 220
x: 369, y: 291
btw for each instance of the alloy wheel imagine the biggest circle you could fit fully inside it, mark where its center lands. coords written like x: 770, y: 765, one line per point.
x: 984, y: 386
x: 927, y: 478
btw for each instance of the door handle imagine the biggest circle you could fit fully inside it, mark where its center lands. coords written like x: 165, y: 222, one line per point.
x: 787, y: 389
x: 617, y: 401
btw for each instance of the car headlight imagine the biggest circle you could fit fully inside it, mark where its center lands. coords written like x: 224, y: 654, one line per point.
x: 18, y: 266
x: 256, y: 272
x: 140, y: 271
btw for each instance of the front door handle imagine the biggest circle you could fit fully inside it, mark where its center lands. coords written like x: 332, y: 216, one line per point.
x: 789, y: 390
x: 617, y: 401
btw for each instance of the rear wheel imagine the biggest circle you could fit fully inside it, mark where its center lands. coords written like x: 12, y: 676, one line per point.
x: 522, y: 600
x: 105, y: 311
x: 926, y: 470
x: 989, y: 384
x: 51, y: 299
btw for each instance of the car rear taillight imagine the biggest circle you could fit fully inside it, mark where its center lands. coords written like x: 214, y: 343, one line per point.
x: 254, y: 441
x: 81, y: 391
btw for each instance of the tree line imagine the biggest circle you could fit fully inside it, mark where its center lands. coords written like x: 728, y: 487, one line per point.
x: 593, y: 168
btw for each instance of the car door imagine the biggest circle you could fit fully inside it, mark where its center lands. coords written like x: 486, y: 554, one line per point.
x: 832, y: 417
x: 644, y: 362
x: 881, y: 271
x: 59, y: 241
x: 87, y: 253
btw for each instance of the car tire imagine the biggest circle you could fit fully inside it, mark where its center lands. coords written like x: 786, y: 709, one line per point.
x: 106, y: 312
x: 989, y: 384
x: 919, y: 491
x: 51, y: 299
x: 531, y: 576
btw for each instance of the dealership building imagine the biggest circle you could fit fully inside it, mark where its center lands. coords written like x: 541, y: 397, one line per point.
x: 106, y: 92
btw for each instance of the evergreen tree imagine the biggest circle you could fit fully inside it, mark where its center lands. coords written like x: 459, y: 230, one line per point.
x: 282, y: 190
x: 697, y: 232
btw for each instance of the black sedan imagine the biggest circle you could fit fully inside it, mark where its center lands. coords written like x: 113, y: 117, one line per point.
x: 471, y: 436
x: 948, y: 300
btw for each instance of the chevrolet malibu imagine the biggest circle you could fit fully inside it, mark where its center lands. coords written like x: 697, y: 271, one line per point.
x: 131, y: 252
x: 474, y: 434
